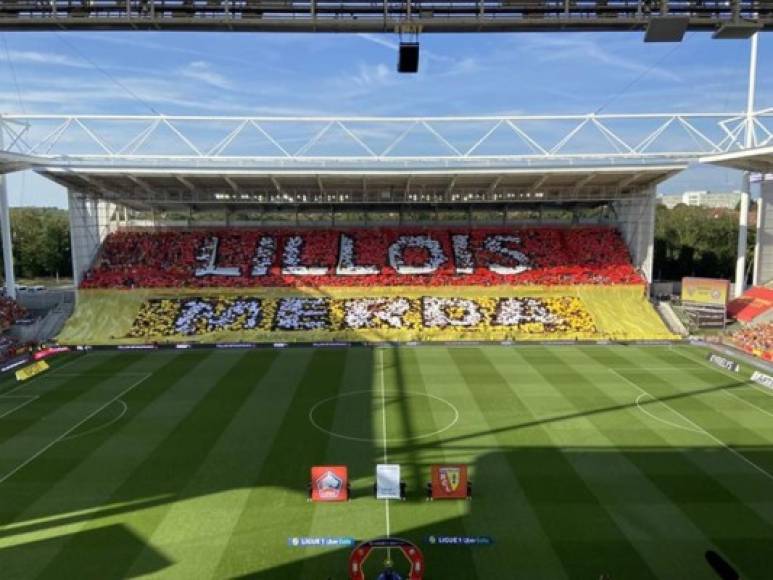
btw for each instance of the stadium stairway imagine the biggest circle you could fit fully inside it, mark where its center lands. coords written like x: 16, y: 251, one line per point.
x: 670, y: 318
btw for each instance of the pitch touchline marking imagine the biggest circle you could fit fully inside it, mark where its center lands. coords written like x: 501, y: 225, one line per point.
x: 107, y: 374
x: 101, y: 427
x: 760, y: 409
x: 70, y: 430
x: 318, y: 404
x: 54, y: 370
x: 385, y: 439
x: 702, y: 362
x: 694, y: 424
x: 28, y: 400
x: 761, y: 389
x: 749, y: 383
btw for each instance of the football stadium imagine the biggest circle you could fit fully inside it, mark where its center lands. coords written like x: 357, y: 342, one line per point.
x: 389, y: 347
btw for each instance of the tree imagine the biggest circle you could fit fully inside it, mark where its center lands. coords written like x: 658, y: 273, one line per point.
x: 41, y: 242
x: 696, y: 241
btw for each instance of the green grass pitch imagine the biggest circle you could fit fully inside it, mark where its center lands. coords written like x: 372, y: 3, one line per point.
x: 630, y: 461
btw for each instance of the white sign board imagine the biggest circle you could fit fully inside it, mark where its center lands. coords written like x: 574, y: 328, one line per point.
x: 387, y: 481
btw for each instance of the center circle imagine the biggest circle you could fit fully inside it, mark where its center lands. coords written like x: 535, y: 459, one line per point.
x: 371, y: 413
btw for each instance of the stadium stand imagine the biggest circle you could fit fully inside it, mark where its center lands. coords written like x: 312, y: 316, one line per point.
x: 10, y: 312
x: 755, y: 302
x: 756, y: 340
x: 363, y: 284
x: 386, y: 257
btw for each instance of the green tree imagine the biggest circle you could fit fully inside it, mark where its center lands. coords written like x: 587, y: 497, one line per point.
x: 696, y: 241
x: 41, y: 242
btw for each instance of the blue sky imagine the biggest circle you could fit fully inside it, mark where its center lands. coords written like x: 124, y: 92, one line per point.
x: 291, y: 74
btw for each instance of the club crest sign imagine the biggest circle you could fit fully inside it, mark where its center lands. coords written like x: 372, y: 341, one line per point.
x: 449, y: 481
x: 450, y: 478
x: 329, y: 483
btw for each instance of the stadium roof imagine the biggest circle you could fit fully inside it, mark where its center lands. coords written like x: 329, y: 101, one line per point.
x: 158, y: 161
x: 736, y: 17
x: 10, y: 162
x: 759, y: 159
x: 181, y: 187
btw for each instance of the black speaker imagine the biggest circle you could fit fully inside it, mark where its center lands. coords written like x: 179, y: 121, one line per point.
x: 409, y: 57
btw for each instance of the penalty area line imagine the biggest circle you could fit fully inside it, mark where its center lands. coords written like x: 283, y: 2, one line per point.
x: 61, y: 437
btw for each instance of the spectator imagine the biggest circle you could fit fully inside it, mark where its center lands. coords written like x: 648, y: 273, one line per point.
x: 363, y: 257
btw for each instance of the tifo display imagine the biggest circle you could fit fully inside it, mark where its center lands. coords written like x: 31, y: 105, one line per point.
x: 363, y: 285
x: 360, y: 256
x: 196, y: 316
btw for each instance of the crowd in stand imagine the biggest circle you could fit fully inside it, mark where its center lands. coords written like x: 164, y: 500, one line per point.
x: 10, y: 312
x: 449, y: 317
x: 363, y: 257
x: 756, y: 340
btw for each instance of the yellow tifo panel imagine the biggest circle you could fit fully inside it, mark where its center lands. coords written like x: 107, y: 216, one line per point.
x: 589, y: 312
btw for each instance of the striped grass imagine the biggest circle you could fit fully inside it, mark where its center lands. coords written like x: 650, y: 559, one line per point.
x: 629, y: 461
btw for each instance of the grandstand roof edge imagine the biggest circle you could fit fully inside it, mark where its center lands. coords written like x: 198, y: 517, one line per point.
x: 759, y: 159
x: 190, y: 186
x: 447, y: 171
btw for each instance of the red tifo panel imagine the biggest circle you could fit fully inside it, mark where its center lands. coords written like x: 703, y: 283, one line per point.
x: 362, y: 257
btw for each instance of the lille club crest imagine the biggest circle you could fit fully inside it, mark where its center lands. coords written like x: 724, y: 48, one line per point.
x: 449, y: 481
x: 328, y: 483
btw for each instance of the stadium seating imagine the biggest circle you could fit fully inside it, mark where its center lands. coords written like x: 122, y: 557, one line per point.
x: 756, y: 340
x: 362, y: 257
x: 755, y: 302
x: 438, y: 316
x: 363, y: 284
x: 10, y: 312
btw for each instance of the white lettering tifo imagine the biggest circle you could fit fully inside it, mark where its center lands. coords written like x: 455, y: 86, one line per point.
x: 435, y: 256
x: 500, y: 253
x: 202, y: 315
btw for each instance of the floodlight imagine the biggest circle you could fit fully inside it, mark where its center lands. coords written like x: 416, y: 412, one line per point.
x: 737, y: 30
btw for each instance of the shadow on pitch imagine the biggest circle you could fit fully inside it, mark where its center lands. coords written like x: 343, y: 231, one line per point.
x: 121, y: 542
x: 576, y: 498
x: 571, y: 416
x: 579, y: 513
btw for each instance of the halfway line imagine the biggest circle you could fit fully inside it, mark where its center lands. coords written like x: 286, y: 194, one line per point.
x: 386, y: 443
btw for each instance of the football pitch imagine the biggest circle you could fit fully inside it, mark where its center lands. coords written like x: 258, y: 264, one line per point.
x: 625, y: 460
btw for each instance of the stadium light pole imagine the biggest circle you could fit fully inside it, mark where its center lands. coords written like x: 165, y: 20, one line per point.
x: 5, y: 226
x: 743, y: 218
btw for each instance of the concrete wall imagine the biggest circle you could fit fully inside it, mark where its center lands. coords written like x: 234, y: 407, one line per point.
x: 764, y: 259
x: 636, y: 220
x: 90, y: 222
